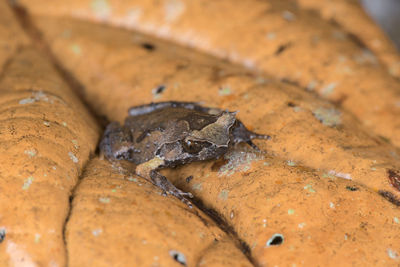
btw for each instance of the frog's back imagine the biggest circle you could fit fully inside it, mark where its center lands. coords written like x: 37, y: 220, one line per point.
x: 163, y: 126
x: 163, y: 118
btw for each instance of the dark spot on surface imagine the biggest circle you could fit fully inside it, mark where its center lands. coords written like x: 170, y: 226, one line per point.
x: 178, y: 257
x: 351, y: 188
x: 291, y: 104
x: 281, y: 48
x: 275, y: 240
x: 189, y: 178
x: 2, y: 234
x: 394, y: 178
x: 390, y: 196
x: 159, y: 89
x: 148, y: 46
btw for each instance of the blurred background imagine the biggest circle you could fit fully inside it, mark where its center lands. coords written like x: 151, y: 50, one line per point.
x: 387, y: 14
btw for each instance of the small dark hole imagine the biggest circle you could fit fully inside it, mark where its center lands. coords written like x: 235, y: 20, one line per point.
x: 281, y: 48
x: 189, y: 178
x: 148, y: 46
x: 351, y: 188
x: 275, y: 240
x: 291, y: 104
x: 178, y: 257
x: 2, y: 235
x: 159, y: 89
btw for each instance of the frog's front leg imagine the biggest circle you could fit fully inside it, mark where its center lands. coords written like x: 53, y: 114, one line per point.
x: 148, y: 170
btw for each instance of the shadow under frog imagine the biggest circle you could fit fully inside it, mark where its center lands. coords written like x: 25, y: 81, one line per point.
x: 169, y: 134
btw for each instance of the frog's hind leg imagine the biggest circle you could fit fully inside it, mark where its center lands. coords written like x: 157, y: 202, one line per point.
x: 148, y: 170
x: 145, y: 109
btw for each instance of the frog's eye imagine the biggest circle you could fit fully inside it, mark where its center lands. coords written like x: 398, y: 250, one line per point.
x: 192, y: 147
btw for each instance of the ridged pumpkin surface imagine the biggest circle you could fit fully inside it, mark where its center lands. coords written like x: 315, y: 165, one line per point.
x: 323, y: 191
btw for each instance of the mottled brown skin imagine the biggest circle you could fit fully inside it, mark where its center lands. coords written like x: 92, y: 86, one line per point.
x: 168, y: 134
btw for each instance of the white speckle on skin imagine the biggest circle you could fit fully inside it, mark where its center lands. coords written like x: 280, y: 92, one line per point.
x: 289, y: 16
x: 73, y: 157
x: 197, y: 187
x: 328, y: 89
x: 37, y: 238
x: 343, y: 175
x: 97, y: 232
x: 309, y: 188
x: 291, y: 163
x: 271, y: 36
x: 76, y: 49
x: 396, y: 220
x: 297, y: 109
x: 225, y: 90
x: 264, y: 223
x: 311, y: 85
x: 301, y: 225
x: 173, y: 9
x: 27, y: 101
x: 27, y: 183
x: 223, y: 195
x: 31, y: 152
x: 101, y: 8
x: 18, y: 256
x: 132, y: 179
x: 133, y: 16
x: 328, y: 116
x: 290, y: 211
x: 36, y: 96
x: 75, y: 142
x: 104, y: 200
x: 249, y: 63
x: 392, y: 254
x: 64, y: 124
x: 331, y: 205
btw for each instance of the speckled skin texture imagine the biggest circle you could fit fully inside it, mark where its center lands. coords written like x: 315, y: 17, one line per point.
x: 319, y: 191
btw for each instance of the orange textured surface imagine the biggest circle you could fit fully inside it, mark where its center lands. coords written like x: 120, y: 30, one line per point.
x: 316, y: 194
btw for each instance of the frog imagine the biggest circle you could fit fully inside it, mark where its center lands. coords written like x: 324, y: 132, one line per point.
x: 170, y: 134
